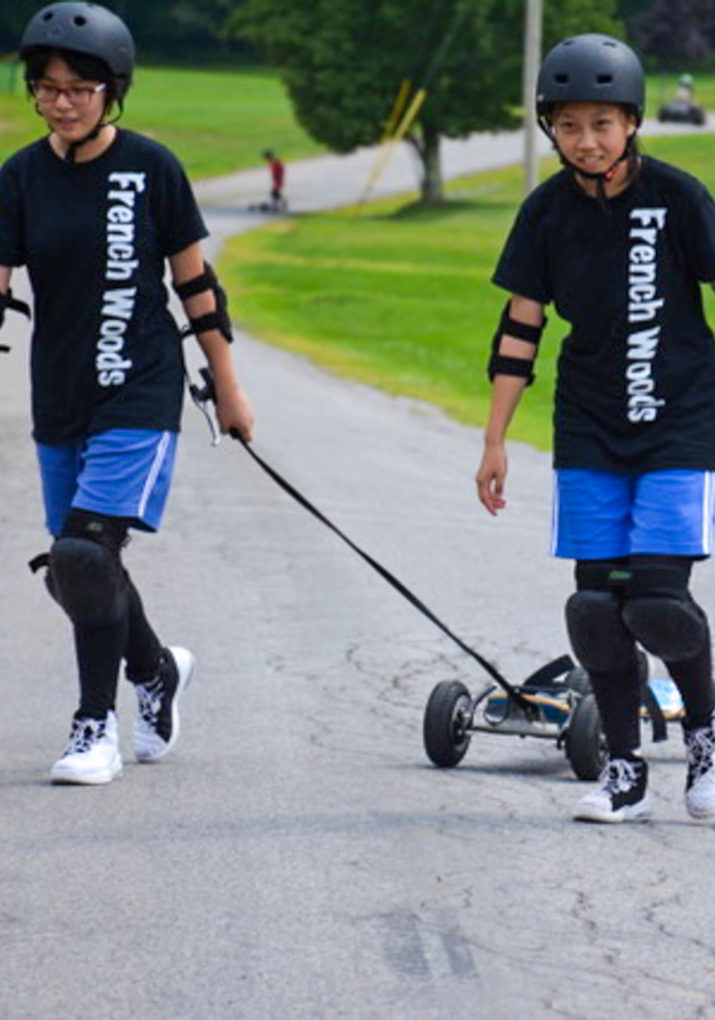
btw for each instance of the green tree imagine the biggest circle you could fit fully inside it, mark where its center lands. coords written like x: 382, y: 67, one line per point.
x: 13, y: 18
x: 676, y: 31
x: 628, y: 9
x: 343, y: 62
x: 178, y: 29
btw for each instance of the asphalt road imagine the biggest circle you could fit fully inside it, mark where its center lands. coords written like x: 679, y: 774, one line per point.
x: 296, y: 856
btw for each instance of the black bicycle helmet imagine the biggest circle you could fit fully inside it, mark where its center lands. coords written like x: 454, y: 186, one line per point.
x: 590, y: 69
x: 83, y: 28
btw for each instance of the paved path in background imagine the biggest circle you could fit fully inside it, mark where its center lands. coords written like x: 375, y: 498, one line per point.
x: 327, y: 181
x: 296, y: 856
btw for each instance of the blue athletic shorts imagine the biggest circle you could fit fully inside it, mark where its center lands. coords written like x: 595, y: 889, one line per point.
x: 604, y: 514
x: 120, y: 472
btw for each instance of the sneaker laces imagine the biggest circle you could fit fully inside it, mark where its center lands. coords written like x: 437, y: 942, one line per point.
x: 85, y: 732
x: 700, y: 746
x: 620, y: 775
x: 149, y: 698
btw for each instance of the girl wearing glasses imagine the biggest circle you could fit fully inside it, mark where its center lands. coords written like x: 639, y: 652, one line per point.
x: 94, y: 212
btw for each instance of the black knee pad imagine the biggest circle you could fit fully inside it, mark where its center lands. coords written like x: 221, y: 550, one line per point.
x: 670, y: 627
x: 659, y: 610
x: 85, y: 573
x: 599, y: 637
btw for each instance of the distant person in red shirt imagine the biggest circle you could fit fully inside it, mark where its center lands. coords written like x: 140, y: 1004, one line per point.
x: 277, y: 169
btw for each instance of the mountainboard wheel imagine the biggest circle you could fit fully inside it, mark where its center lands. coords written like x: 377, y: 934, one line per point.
x: 586, y: 747
x: 446, y: 718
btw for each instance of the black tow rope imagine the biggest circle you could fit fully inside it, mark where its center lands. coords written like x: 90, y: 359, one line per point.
x: 200, y: 396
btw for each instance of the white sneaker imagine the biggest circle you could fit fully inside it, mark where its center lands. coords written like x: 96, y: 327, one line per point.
x: 92, y: 753
x: 622, y: 796
x: 156, y: 728
x: 700, y: 784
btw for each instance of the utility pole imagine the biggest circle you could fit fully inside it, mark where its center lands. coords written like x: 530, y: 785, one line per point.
x: 532, y: 59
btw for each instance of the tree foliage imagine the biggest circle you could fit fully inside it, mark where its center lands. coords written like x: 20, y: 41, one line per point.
x: 13, y: 17
x: 343, y: 61
x: 628, y: 9
x: 176, y: 29
x: 676, y: 31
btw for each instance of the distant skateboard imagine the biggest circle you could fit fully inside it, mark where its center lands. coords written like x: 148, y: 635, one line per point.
x: 279, y: 206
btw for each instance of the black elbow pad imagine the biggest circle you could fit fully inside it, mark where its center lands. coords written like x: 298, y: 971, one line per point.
x: 218, y: 319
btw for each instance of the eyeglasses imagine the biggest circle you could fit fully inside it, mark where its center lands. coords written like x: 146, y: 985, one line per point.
x: 77, y: 95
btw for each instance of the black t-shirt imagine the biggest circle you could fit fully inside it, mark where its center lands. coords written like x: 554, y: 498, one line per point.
x: 636, y: 375
x: 106, y: 353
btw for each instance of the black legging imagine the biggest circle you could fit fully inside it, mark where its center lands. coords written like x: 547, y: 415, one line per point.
x: 100, y: 651
x: 618, y: 693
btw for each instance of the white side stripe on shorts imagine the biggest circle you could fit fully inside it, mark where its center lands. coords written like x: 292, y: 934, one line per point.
x: 554, y: 514
x: 708, y: 508
x: 156, y: 466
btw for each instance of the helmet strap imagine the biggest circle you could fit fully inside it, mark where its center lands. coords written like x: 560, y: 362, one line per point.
x: 602, y: 177
x: 71, y: 154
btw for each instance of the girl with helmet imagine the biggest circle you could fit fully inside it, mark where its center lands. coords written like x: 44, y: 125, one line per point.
x: 95, y: 212
x: 620, y: 243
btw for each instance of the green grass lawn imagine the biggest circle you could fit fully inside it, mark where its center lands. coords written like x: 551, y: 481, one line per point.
x: 399, y: 296
x: 216, y: 121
